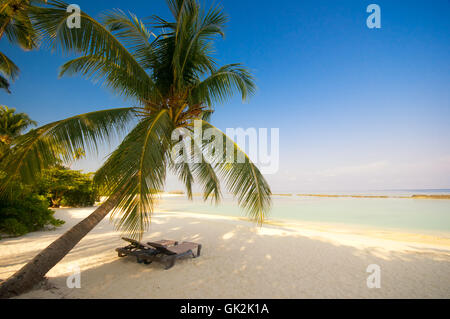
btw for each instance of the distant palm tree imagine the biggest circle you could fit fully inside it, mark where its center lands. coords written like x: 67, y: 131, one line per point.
x: 12, y: 124
x: 172, y: 77
x: 16, y: 25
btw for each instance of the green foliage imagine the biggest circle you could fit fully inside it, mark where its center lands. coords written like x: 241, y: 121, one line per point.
x: 12, y: 226
x: 65, y: 187
x: 243, y: 180
x: 48, y: 145
x: 138, y: 166
x: 8, y: 72
x: 22, y: 210
x: 26, y: 213
x: 16, y: 25
x: 12, y: 124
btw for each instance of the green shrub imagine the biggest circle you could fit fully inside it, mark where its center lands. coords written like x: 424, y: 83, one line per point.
x: 26, y: 213
x: 65, y: 187
x: 82, y: 197
x: 12, y: 226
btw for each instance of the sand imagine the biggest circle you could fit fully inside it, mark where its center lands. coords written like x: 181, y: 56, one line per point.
x: 240, y: 260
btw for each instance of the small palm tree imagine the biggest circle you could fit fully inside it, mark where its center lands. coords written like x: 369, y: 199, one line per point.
x: 170, y: 74
x: 16, y: 25
x: 12, y: 124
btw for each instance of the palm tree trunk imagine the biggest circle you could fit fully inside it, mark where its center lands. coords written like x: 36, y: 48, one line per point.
x: 34, y: 271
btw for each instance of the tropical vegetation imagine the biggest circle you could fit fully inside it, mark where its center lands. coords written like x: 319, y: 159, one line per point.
x: 26, y: 212
x: 12, y: 124
x: 65, y: 187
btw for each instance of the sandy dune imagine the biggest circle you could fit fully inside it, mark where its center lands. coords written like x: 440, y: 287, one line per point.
x: 240, y: 261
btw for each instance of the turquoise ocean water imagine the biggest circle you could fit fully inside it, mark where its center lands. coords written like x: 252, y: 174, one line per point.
x: 418, y: 215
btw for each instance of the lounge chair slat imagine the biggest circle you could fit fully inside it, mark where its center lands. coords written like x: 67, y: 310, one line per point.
x: 162, y: 243
x: 138, y: 244
x: 182, y: 248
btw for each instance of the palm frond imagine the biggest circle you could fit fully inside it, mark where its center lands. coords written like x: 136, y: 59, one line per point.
x: 192, y: 41
x: 137, y: 170
x: 190, y: 166
x: 211, y: 25
x: 133, y: 33
x: 184, y: 173
x: 4, y: 84
x: 113, y: 76
x: 223, y: 83
x: 91, y: 39
x: 243, y: 180
x: 8, y: 68
x: 16, y: 25
x: 204, y: 172
x: 185, y: 47
x: 12, y: 123
x: 42, y: 147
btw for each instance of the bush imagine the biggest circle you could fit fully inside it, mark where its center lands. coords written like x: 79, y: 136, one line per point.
x: 26, y: 213
x: 81, y: 197
x: 12, y: 226
x: 65, y: 187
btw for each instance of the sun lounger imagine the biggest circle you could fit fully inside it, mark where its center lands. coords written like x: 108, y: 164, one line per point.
x: 169, y: 254
x: 138, y: 249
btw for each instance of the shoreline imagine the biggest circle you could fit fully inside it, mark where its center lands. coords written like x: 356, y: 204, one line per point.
x: 422, y: 238
x: 412, y: 196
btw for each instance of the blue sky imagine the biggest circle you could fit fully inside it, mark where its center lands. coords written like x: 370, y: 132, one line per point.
x: 357, y: 108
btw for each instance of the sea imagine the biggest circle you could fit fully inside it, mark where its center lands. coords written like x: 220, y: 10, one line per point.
x: 398, y: 212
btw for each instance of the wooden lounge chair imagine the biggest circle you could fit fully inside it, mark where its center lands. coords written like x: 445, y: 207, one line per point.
x: 169, y: 254
x: 138, y: 249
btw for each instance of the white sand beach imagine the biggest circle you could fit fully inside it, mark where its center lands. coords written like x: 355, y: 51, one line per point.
x: 240, y: 260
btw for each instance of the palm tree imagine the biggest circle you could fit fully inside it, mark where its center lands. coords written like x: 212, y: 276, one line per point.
x: 171, y: 76
x: 12, y: 124
x: 16, y: 25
